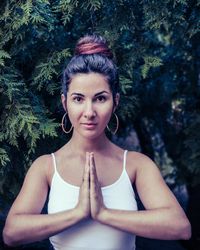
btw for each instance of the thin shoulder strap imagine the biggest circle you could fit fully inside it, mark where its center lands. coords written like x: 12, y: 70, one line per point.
x: 54, y: 162
x: 124, y: 161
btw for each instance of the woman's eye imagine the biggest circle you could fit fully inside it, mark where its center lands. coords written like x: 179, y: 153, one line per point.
x: 77, y: 99
x: 101, y: 98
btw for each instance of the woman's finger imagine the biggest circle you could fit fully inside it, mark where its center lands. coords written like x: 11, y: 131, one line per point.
x: 86, y: 174
x: 96, y: 198
x: 84, y: 193
x: 93, y: 172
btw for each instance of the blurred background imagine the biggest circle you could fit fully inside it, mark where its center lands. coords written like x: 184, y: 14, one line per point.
x: 156, y: 47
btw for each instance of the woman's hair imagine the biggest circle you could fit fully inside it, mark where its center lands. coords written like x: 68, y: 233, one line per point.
x: 92, y: 55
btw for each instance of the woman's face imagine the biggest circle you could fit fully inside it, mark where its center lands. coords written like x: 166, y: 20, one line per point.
x: 89, y: 104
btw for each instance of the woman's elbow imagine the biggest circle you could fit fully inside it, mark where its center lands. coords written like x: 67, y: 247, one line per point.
x: 9, y: 237
x: 186, y: 230
x: 182, y: 229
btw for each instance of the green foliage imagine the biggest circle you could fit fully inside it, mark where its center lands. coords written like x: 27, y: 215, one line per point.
x: 3, y: 55
x: 150, y: 62
x: 45, y: 71
x: 66, y: 8
x: 4, y: 159
x: 155, y: 45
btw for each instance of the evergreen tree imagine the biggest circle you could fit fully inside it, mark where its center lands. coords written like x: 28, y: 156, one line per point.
x: 156, y: 48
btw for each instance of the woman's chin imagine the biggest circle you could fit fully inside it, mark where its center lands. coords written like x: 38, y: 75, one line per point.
x: 91, y: 134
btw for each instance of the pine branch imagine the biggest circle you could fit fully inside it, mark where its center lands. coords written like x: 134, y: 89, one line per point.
x: 4, y: 158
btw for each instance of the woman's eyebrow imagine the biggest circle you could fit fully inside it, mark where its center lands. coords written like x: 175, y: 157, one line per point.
x: 79, y: 94
x: 99, y: 93
x: 102, y: 92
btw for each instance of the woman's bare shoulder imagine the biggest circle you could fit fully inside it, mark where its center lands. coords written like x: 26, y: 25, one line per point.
x: 43, y: 166
x: 137, y: 162
x: 41, y: 162
x: 139, y: 159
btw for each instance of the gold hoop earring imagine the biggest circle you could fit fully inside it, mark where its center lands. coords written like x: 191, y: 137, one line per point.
x: 63, y: 127
x: 117, y: 126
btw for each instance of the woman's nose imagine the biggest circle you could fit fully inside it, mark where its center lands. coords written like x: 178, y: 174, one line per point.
x: 89, y: 111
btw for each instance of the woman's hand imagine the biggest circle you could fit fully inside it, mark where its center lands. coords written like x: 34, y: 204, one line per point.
x: 96, y: 199
x: 83, y: 205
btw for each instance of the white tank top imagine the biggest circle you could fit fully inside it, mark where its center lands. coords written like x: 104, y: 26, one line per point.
x: 90, y: 234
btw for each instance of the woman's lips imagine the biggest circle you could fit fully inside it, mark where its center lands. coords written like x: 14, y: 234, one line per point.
x: 89, y: 125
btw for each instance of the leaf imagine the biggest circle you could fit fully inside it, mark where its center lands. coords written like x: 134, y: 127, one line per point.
x: 150, y: 62
x: 4, y: 158
x: 3, y: 55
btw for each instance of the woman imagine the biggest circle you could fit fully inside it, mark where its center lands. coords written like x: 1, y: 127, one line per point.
x: 91, y: 201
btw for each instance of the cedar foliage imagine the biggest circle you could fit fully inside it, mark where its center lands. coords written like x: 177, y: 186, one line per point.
x: 155, y: 44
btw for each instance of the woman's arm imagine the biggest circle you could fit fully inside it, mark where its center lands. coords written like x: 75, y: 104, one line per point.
x: 24, y: 223
x: 163, y: 217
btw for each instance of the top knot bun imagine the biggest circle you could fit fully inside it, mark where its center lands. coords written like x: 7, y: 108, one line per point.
x: 93, y: 44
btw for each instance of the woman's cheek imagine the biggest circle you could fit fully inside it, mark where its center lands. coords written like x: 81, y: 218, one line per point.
x: 74, y: 113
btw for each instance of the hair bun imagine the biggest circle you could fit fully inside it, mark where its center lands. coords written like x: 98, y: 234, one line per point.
x: 93, y: 44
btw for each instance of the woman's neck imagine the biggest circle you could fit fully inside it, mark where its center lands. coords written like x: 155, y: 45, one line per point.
x: 82, y: 145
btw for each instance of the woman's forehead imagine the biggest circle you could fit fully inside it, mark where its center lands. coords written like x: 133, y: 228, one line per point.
x: 91, y: 82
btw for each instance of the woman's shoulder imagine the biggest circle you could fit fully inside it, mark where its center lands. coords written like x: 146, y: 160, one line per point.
x: 42, y: 161
x: 137, y: 161
x: 138, y: 157
x: 42, y: 166
x: 139, y: 164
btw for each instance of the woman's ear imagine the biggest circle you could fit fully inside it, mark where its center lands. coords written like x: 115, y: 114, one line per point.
x: 64, y: 102
x: 117, y: 97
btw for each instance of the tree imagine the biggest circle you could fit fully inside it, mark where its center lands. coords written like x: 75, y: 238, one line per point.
x: 156, y: 48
